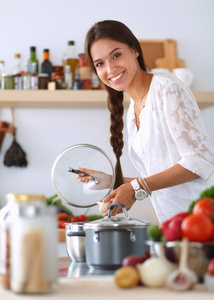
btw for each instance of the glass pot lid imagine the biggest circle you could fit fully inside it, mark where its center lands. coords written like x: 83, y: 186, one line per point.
x: 69, y: 188
x: 111, y: 222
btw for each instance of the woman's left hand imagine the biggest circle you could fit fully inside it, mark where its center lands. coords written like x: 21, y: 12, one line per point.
x: 123, y: 194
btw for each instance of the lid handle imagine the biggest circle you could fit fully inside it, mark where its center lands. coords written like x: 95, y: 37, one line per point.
x: 113, y: 205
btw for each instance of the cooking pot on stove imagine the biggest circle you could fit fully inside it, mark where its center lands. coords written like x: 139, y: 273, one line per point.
x: 111, y: 239
x: 75, y: 241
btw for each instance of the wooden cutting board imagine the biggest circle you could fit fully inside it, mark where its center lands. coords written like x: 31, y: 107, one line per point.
x: 161, y: 54
x: 170, y: 59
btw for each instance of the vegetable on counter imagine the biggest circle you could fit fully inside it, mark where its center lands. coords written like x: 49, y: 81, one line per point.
x: 65, y: 215
x: 197, y: 224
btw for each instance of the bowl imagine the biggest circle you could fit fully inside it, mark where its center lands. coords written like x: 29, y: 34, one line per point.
x: 75, y: 241
x: 209, y: 282
x: 198, y: 257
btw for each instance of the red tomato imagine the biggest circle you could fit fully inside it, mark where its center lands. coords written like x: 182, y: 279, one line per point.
x: 82, y: 218
x: 74, y: 219
x: 61, y: 224
x: 197, y: 228
x: 204, y: 206
x: 164, y: 225
x: 210, y: 267
x: 212, y: 237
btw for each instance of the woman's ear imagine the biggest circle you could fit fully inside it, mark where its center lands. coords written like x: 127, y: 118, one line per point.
x: 136, y: 53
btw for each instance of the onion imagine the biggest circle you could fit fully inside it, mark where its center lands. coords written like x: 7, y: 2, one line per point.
x: 154, y: 271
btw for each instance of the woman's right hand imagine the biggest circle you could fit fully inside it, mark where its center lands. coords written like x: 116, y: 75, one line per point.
x: 100, y: 179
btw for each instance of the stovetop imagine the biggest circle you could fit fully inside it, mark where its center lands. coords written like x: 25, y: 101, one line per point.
x: 81, y: 269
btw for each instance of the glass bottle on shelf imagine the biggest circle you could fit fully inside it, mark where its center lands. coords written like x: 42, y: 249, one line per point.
x: 16, y: 71
x: 46, y: 64
x: 1, y: 70
x: 34, y: 76
x: 33, y: 59
x: 68, y: 77
x: 17, y: 64
x: 70, y: 57
x: 26, y: 78
x: 77, y: 82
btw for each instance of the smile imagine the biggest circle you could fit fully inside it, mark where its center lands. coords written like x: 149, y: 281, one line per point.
x: 115, y: 78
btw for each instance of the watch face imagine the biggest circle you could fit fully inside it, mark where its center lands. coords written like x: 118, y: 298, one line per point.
x: 140, y: 195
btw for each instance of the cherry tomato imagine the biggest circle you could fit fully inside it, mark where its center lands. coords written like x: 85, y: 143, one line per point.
x: 197, y: 228
x: 74, y: 219
x: 82, y: 218
x: 61, y: 224
x: 62, y: 216
x: 210, y: 267
x: 204, y: 206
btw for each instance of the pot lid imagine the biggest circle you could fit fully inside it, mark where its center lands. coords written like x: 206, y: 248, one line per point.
x: 117, y: 221
x: 69, y: 188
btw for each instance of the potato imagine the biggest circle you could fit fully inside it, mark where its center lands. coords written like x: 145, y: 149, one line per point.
x: 127, y: 277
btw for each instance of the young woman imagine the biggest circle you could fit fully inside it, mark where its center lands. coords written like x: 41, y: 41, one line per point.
x: 167, y: 140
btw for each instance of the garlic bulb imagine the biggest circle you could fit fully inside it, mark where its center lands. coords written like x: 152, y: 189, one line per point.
x: 183, y: 278
x: 104, y: 206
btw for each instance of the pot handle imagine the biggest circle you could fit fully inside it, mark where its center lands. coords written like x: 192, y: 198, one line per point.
x: 113, y: 205
x: 81, y: 233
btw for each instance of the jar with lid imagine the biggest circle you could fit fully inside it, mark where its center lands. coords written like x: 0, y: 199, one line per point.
x: 85, y: 72
x: 7, y: 82
x: 5, y: 247
x: 43, y: 81
x: 33, y: 237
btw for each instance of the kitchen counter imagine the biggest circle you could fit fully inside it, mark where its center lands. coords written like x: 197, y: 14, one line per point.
x: 103, y: 287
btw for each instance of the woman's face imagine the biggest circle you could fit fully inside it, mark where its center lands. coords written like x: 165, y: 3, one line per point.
x: 115, y: 62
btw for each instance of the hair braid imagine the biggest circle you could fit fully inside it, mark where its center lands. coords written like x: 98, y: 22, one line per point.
x: 115, y: 106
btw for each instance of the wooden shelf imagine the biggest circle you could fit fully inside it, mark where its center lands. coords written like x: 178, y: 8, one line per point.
x: 73, y: 99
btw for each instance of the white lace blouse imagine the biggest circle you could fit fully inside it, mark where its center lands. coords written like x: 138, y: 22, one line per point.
x: 171, y: 131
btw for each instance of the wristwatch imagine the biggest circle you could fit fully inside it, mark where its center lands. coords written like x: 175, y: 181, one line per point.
x: 140, y: 193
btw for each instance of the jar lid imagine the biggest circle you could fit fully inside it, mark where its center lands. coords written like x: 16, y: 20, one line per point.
x: 24, y: 197
x: 116, y: 222
x: 17, y: 55
x: 43, y: 75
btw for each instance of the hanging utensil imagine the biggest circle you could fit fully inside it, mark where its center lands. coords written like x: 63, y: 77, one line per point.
x: 15, y: 155
x: 3, y: 129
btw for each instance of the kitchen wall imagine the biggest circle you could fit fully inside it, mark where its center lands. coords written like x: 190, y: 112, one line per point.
x: 44, y: 133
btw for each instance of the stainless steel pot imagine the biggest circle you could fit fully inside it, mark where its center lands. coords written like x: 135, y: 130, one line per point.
x: 75, y: 241
x: 111, y: 239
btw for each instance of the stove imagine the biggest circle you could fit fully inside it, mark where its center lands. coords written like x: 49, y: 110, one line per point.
x: 81, y: 269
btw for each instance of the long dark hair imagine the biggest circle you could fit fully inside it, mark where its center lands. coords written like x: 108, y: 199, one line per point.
x: 120, y: 32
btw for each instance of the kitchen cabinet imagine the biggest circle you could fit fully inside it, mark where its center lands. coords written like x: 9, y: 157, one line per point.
x: 74, y: 99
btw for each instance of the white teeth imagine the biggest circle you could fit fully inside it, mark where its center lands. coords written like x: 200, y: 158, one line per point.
x: 116, y: 77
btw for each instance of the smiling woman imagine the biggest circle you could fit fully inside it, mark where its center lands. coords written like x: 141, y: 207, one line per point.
x: 167, y: 140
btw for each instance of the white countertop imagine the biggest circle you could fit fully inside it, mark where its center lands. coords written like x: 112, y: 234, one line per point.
x: 102, y: 288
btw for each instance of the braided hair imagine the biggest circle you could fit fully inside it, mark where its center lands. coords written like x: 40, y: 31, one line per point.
x: 117, y: 31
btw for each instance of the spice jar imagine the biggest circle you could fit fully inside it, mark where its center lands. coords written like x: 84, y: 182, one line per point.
x: 85, y: 72
x: 7, y: 82
x: 33, y: 233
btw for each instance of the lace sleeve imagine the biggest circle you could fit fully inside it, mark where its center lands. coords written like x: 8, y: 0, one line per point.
x: 186, y: 129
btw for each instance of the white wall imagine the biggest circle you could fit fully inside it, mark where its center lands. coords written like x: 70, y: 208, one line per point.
x: 44, y: 133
